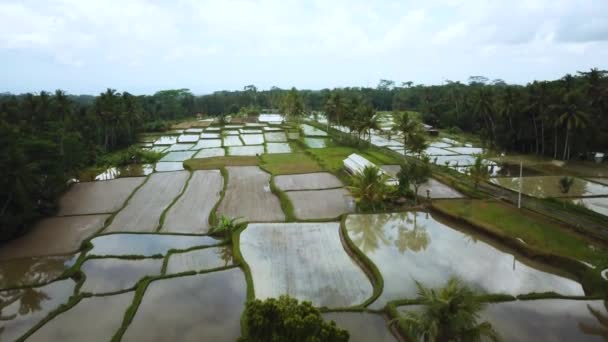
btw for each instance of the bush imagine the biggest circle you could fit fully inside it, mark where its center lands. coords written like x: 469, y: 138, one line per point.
x: 132, y: 155
x: 286, y: 319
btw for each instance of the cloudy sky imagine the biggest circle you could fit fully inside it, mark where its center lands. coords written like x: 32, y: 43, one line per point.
x: 85, y: 46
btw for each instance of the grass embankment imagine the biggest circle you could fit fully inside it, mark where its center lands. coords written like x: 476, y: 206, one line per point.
x: 332, y: 158
x: 543, y: 238
x: 289, y: 163
x: 220, y: 162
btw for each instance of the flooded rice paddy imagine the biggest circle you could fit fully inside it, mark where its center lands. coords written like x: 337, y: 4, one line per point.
x: 207, y: 143
x: 362, y: 326
x: 275, y: 137
x: 312, y: 131
x: 178, y: 156
x: 306, y: 261
x: 253, y: 139
x: 200, y: 259
x: 202, y: 307
x: 210, y: 152
x: 415, y: 246
x: 321, y: 204
x: 179, y: 147
x: 97, y: 197
x: 31, y: 271
x: 597, y: 204
x: 232, y: 140
x: 169, y: 166
x: 246, y: 150
x: 145, y: 244
x: 548, y: 186
x: 315, y: 142
x: 278, y: 148
x: 112, y: 275
x: 190, y: 213
x: 307, y: 181
x: 144, y: 209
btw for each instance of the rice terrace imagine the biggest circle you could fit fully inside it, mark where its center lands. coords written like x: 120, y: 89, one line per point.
x: 304, y: 171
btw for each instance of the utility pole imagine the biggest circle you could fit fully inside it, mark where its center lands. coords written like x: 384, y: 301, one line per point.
x: 521, y: 171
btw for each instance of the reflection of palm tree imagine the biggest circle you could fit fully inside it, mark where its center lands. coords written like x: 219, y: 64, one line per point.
x: 367, y: 231
x: 602, y: 329
x: 415, y: 239
x: 30, y: 301
x: 225, y: 253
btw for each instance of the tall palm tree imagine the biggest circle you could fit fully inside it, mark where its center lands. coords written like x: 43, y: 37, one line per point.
x: 484, y: 105
x: 478, y: 171
x: 408, y: 127
x: 450, y: 313
x: 369, y: 187
x: 571, y: 117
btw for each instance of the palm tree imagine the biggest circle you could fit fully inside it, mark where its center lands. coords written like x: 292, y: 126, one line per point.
x: 369, y: 187
x: 478, y: 171
x: 408, y: 127
x: 484, y: 105
x: 450, y: 313
x: 572, y: 117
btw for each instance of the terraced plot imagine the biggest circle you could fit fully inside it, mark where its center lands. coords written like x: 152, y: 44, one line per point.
x: 177, y: 156
x: 362, y: 326
x: 169, y: 166
x: 92, y: 319
x: 321, y: 204
x: 436, y: 189
x: 207, y: 143
x: 248, y: 196
x: 467, y: 150
x: 253, y: 139
x: 97, y: 197
x: 166, y: 140
x: 190, y: 213
x: 548, y: 186
x: 179, y: 147
x: 187, y: 138
x: 547, y: 320
x: 232, y: 140
x: 66, y: 233
x: 34, y: 270
x: 246, y: 150
x: 200, y: 259
x: 210, y: 136
x: 597, y: 204
x: 275, y: 137
x: 304, y: 260
x: 145, y: 244
x: 278, y: 148
x: 142, y: 212
x: 111, y: 274
x: 414, y: 246
x: 313, y: 131
x: 307, y: 181
x: 210, y: 152
x: 203, y: 307
x: 17, y: 321
x: 315, y: 142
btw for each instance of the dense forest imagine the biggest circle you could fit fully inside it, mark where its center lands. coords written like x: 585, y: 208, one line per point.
x: 47, y: 137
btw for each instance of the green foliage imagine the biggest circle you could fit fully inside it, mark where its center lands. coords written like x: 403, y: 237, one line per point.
x: 226, y: 226
x: 131, y: 155
x: 286, y: 320
x: 478, y: 171
x: 449, y: 313
x: 565, y: 183
x: 416, y: 173
x: 292, y: 104
x: 369, y: 188
x: 403, y: 176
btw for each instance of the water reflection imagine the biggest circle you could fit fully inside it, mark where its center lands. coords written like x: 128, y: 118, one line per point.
x: 413, y: 245
x: 132, y: 170
x: 21, y: 309
x: 601, y: 328
x: 548, y: 186
x: 146, y: 244
x: 32, y: 271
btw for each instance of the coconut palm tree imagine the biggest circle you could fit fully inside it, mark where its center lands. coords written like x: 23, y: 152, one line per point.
x: 571, y: 117
x: 408, y: 127
x: 478, y: 171
x: 450, y: 313
x: 369, y: 187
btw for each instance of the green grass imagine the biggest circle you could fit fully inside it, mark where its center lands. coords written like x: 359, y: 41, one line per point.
x: 219, y: 162
x: 289, y: 163
x: 535, y: 230
x: 331, y: 158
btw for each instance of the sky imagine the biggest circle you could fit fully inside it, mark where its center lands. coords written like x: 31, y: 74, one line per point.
x: 141, y: 46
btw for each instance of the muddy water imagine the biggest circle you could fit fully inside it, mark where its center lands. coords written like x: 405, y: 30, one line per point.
x: 177, y: 156
x: 112, y: 274
x: 143, y: 211
x: 313, y: 131
x: 97, y: 197
x: 32, y: 271
x: 204, y: 307
x: 145, y: 244
x: 134, y: 170
x: 548, y: 186
x: 66, y: 234
x: 200, y: 259
x: 549, y: 320
x: 92, y: 319
x: 414, y: 246
x: 169, y: 166
x: 22, y: 309
x: 362, y: 326
x: 304, y: 260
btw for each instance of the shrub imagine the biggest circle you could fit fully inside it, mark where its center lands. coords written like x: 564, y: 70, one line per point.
x: 286, y: 319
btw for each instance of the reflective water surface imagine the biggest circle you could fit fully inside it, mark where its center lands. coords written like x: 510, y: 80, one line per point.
x: 112, y: 274
x: 200, y: 259
x: 414, y: 246
x: 145, y: 244
x: 548, y: 186
x: 362, y: 326
x: 34, y: 270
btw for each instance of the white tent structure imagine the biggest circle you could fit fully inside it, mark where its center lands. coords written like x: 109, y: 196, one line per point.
x: 354, y: 163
